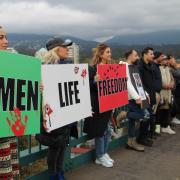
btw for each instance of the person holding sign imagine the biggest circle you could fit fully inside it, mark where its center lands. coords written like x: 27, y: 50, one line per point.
x: 138, y: 100
x: 9, y: 162
x: 97, y: 125
x: 56, y: 139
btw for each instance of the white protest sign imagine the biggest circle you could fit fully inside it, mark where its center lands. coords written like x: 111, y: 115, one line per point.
x: 66, y: 94
x: 139, y: 86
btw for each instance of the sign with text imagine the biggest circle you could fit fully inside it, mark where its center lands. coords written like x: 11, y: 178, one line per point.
x: 66, y: 94
x: 138, y: 85
x: 112, y: 87
x: 19, y: 94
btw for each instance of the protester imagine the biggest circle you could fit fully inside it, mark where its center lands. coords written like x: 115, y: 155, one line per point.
x: 9, y: 160
x: 146, y: 71
x: 175, y: 70
x: 137, y: 97
x: 166, y: 93
x: 158, y: 58
x: 97, y: 126
x: 57, y: 139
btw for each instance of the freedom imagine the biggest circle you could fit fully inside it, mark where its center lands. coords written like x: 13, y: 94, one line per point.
x: 112, y: 86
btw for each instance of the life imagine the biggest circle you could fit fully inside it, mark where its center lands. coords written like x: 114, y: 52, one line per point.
x: 68, y: 93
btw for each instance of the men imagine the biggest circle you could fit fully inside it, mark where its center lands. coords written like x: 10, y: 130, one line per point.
x: 166, y: 97
x: 9, y: 167
x: 175, y: 70
x: 137, y: 99
x: 146, y: 71
x: 158, y: 58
